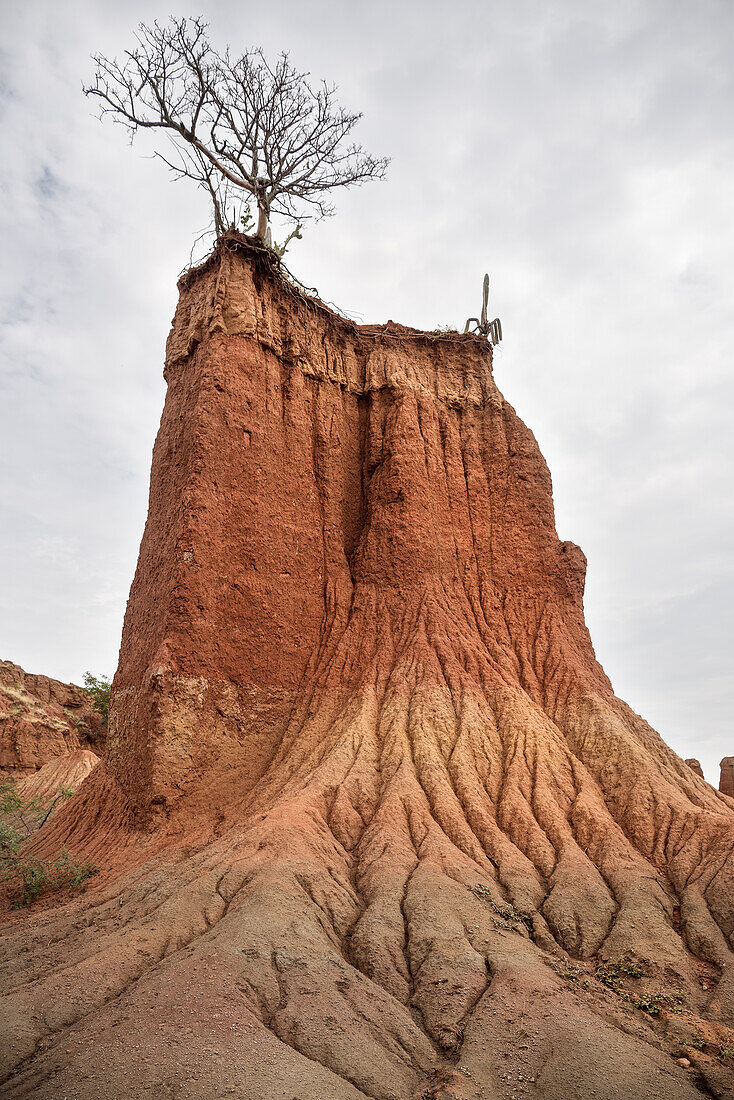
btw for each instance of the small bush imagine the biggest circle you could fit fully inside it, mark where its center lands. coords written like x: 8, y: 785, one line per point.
x: 19, y: 817
x: 509, y: 915
x: 39, y: 875
x: 513, y: 916
x: 98, y: 689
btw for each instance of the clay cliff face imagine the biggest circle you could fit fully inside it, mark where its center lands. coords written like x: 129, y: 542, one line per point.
x: 40, y: 720
x: 64, y: 772
x: 406, y: 819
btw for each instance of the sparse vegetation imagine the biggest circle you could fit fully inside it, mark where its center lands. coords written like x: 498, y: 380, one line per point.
x: 84, y: 730
x: 38, y: 875
x: 572, y: 972
x: 19, y: 817
x: 652, y: 1002
x: 514, y: 916
x: 613, y: 974
x: 508, y: 913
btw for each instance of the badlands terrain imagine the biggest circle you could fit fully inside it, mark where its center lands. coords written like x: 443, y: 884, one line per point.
x: 370, y: 820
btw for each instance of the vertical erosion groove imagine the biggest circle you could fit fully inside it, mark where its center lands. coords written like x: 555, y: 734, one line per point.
x: 432, y: 809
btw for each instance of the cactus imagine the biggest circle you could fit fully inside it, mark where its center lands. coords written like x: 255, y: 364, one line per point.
x: 490, y: 330
x: 485, y: 302
x: 279, y: 249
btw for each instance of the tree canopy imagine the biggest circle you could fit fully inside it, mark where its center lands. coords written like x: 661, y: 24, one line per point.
x: 236, y: 123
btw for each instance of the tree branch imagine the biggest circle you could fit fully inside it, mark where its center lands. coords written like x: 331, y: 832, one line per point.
x: 261, y: 128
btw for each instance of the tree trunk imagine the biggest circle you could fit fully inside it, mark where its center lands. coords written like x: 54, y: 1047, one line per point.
x: 262, y: 221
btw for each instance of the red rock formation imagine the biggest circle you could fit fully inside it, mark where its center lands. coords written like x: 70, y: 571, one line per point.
x: 695, y: 766
x: 41, y: 719
x: 726, y: 781
x: 43, y: 794
x: 406, y: 816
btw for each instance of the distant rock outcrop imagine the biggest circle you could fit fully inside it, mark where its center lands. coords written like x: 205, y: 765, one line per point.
x: 390, y: 832
x: 695, y: 766
x: 42, y: 719
x: 726, y: 780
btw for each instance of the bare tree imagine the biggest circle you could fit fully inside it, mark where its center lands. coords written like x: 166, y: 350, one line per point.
x: 236, y: 124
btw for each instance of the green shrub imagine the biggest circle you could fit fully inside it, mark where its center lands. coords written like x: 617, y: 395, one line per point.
x: 98, y: 689
x: 19, y: 817
x: 39, y: 875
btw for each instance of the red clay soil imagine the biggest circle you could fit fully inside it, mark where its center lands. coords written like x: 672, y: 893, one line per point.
x: 65, y: 772
x: 40, y: 720
x: 372, y: 820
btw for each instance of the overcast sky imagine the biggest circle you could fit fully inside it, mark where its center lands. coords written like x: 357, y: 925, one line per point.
x: 580, y: 152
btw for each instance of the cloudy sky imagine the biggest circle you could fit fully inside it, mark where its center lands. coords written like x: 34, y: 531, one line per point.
x: 581, y: 152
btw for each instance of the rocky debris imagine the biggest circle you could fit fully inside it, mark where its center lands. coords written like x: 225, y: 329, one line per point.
x: 695, y: 766
x: 42, y: 719
x: 388, y: 832
x: 726, y: 781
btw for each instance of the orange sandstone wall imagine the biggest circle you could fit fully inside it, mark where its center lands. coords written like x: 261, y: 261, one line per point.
x: 41, y: 719
x: 278, y: 420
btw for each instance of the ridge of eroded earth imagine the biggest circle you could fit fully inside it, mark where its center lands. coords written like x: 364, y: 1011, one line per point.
x: 372, y: 820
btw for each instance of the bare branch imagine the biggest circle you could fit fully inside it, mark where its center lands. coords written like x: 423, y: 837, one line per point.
x: 236, y: 123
